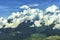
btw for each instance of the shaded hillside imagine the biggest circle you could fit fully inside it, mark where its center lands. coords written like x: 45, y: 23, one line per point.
x: 24, y: 31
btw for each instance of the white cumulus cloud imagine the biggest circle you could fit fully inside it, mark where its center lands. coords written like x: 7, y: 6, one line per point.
x: 34, y: 15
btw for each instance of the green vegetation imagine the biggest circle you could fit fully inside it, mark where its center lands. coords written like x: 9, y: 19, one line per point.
x: 53, y: 38
x: 36, y: 37
x: 42, y: 37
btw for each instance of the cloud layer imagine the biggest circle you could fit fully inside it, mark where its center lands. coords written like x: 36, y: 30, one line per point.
x: 51, y: 15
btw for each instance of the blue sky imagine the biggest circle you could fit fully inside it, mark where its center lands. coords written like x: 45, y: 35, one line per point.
x: 9, y: 6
